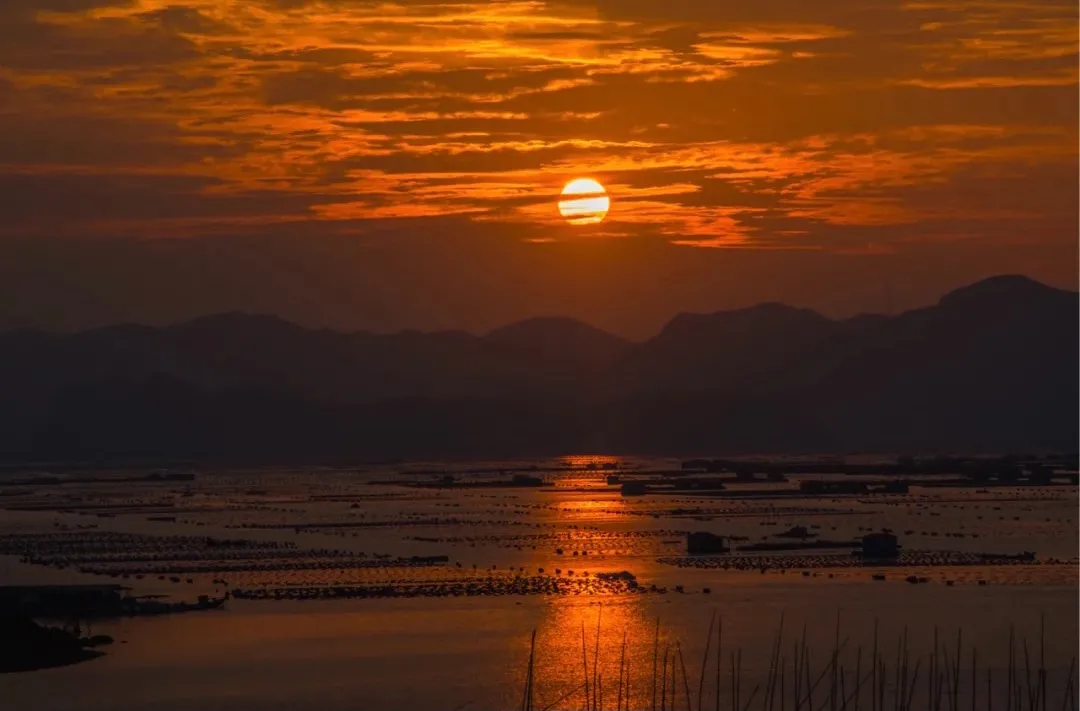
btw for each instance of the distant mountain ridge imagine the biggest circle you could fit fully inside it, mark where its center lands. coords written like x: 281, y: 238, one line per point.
x: 991, y: 367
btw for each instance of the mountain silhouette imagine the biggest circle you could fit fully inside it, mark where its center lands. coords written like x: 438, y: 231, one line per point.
x: 991, y: 367
x: 560, y: 340
x: 760, y: 349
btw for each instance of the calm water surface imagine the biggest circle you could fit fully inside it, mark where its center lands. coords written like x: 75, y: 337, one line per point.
x: 446, y: 653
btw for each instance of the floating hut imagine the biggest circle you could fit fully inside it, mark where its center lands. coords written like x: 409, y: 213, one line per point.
x: 819, y: 487
x: 800, y: 532
x: 704, y: 543
x: 880, y: 545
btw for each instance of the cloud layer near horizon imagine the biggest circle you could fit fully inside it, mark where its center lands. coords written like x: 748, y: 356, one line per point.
x: 850, y: 127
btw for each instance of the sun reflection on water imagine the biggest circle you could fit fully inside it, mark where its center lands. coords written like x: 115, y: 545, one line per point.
x: 621, y: 652
x: 581, y: 642
x: 583, y: 461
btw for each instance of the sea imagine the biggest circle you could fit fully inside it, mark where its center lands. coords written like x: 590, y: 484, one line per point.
x: 568, y: 595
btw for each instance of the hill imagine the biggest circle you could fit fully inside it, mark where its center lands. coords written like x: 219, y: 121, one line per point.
x: 991, y: 367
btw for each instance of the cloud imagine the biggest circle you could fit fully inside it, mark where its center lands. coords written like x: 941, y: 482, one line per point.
x: 30, y: 8
x: 94, y: 44
x: 776, y: 124
x: 45, y: 204
x: 187, y: 20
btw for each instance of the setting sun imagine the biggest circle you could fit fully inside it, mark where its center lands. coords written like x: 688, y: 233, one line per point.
x: 584, y: 202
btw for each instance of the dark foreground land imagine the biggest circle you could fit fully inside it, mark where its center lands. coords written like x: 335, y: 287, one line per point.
x: 26, y: 645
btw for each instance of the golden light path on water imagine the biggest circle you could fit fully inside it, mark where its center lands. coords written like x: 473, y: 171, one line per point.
x: 584, y: 202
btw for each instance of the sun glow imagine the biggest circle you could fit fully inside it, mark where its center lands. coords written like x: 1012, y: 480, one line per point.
x: 584, y: 202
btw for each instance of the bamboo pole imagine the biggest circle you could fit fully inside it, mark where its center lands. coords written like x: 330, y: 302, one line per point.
x: 622, y: 664
x: 585, y: 666
x: 719, y: 652
x: 663, y: 683
x: 596, y: 656
x: 705, y: 661
x: 656, y: 652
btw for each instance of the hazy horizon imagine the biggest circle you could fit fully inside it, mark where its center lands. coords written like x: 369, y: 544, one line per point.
x: 159, y: 306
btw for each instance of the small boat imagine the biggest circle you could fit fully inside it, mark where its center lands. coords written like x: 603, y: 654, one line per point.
x: 149, y: 606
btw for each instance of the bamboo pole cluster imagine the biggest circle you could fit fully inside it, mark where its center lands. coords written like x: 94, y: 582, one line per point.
x: 881, y: 678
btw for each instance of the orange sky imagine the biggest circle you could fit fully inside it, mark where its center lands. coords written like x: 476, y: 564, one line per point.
x: 936, y: 139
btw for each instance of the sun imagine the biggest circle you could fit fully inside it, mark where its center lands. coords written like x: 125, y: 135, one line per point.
x: 584, y: 202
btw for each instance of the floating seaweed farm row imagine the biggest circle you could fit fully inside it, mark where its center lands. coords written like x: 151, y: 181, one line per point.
x: 905, y: 559
x: 491, y: 586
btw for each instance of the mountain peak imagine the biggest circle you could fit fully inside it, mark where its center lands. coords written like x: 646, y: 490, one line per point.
x: 238, y: 320
x: 770, y: 314
x: 1005, y: 287
x: 548, y: 326
x: 556, y: 335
